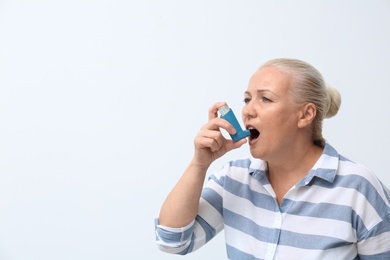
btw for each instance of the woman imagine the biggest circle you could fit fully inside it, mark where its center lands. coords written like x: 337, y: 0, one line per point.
x: 297, y: 198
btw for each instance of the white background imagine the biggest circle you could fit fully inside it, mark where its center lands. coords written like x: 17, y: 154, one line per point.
x: 100, y: 102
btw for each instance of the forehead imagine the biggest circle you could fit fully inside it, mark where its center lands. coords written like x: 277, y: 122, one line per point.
x: 270, y: 78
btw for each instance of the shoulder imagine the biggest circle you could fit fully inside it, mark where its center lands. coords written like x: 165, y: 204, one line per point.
x: 353, y: 176
x: 358, y: 173
x: 350, y: 169
x: 364, y: 182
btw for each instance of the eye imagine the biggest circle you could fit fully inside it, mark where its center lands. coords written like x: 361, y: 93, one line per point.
x: 247, y: 100
x: 265, y: 99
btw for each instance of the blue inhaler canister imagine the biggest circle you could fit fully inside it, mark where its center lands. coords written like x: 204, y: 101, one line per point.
x: 227, y: 114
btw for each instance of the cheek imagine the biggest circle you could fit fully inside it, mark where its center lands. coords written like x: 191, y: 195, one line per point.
x: 279, y: 123
x: 270, y: 127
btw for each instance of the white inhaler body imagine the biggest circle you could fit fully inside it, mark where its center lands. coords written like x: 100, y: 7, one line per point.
x: 227, y: 114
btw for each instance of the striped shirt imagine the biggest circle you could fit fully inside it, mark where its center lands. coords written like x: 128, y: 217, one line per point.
x: 339, y: 210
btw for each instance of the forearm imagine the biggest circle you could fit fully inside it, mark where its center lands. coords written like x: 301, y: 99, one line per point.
x: 181, y: 205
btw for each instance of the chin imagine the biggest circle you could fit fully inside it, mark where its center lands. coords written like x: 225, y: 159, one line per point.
x: 256, y: 154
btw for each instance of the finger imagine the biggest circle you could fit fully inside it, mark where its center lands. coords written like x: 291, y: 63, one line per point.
x: 239, y: 143
x: 207, y: 143
x: 218, y: 123
x: 213, y: 111
x: 215, y: 146
x: 230, y: 145
x: 208, y: 138
x: 215, y: 129
x: 214, y: 135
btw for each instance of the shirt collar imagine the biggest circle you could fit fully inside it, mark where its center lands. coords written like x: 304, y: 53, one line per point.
x: 326, y: 166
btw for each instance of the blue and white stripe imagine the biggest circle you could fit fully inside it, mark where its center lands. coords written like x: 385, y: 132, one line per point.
x: 340, y: 210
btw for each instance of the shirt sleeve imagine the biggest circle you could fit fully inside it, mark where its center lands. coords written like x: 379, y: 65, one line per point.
x: 207, y: 224
x: 376, y: 244
x: 173, y: 240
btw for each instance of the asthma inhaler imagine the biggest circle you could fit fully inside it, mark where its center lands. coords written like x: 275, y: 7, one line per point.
x: 227, y: 114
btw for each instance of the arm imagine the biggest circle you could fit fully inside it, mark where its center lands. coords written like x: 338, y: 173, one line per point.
x: 376, y: 244
x: 373, y: 235
x: 181, y: 206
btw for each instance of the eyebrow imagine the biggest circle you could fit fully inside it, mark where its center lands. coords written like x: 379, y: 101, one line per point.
x: 262, y: 91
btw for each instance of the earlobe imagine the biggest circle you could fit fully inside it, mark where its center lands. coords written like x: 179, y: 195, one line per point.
x: 308, y: 113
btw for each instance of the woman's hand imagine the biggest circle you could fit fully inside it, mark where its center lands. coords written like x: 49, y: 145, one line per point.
x: 209, y: 143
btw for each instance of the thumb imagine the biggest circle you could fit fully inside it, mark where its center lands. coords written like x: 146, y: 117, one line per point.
x: 234, y: 145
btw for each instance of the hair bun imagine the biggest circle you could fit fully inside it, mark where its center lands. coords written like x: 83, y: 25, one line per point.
x: 334, y: 101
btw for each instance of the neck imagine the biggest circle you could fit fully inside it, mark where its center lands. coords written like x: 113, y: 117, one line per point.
x: 285, y: 172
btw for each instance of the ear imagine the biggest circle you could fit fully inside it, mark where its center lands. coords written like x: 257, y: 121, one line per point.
x: 307, y: 115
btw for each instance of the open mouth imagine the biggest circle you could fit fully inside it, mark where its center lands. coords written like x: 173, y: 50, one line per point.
x: 254, y: 133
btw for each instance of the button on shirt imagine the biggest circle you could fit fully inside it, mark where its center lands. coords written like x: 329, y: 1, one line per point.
x: 340, y: 210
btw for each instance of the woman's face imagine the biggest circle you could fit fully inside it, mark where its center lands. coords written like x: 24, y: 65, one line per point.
x: 270, y: 114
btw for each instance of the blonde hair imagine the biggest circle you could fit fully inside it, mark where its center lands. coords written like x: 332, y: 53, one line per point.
x: 308, y: 86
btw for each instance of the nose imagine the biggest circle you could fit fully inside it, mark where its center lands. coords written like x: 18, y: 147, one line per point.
x: 248, y: 111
